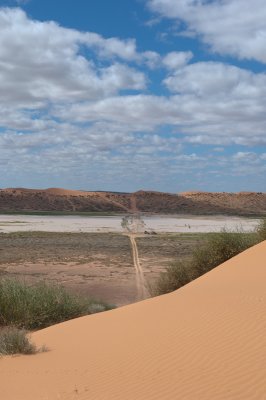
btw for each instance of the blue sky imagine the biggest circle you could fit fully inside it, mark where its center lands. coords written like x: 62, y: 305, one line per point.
x: 133, y: 94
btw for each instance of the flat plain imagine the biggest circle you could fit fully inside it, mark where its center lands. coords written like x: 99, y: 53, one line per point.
x: 110, y: 258
x: 99, y: 264
x: 138, y: 222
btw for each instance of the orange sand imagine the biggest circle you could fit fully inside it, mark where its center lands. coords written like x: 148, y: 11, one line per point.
x: 67, y: 192
x: 205, y: 341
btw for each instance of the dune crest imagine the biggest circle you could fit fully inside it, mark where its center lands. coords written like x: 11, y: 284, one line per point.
x: 193, y: 202
x: 205, y: 341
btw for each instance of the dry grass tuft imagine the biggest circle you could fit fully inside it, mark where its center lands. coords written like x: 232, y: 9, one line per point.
x: 16, y: 341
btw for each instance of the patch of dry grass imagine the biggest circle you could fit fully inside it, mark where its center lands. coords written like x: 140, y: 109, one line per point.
x: 41, y: 305
x: 16, y: 341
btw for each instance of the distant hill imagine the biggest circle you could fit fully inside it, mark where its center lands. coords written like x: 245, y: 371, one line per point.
x: 204, y: 203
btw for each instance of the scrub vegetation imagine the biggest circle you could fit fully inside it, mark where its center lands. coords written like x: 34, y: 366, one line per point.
x: 218, y: 248
x: 41, y: 305
x: 16, y: 341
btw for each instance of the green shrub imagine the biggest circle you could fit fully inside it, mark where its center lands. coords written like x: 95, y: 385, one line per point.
x: 176, y: 275
x: 15, y: 341
x: 41, y: 305
x: 218, y: 248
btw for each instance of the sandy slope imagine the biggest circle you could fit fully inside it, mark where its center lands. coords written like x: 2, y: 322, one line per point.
x: 205, y: 341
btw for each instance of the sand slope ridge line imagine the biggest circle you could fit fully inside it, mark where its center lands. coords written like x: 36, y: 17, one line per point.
x: 205, y: 341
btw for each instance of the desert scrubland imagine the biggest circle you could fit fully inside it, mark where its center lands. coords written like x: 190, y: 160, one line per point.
x: 98, y: 264
x: 93, y: 255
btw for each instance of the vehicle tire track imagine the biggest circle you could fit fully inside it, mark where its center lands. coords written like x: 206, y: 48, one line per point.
x: 142, y: 292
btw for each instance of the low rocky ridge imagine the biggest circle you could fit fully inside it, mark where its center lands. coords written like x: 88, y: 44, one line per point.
x: 198, y: 203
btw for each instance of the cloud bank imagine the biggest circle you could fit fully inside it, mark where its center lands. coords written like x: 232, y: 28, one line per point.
x: 78, y: 107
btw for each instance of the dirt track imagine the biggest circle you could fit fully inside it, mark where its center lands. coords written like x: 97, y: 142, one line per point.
x: 142, y: 292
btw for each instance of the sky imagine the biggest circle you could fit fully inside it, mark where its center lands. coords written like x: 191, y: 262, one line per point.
x: 123, y: 95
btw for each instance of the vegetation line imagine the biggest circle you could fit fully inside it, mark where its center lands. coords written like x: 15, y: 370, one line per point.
x: 41, y: 305
x: 218, y: 248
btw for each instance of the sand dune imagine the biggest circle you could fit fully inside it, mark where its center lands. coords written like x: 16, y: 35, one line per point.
x: 194, y: 202
x: 53, y: 191
x: 204, y: 341
x: 66, y: 192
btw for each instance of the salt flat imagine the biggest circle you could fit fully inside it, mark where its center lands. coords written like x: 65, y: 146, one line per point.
x: 158, y: 223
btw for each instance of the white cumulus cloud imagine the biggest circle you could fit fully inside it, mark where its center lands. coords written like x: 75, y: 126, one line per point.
x: 175, y: 59
x: 41, y: 62
x: 234, y: 27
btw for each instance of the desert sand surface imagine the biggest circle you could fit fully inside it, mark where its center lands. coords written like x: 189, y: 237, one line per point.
x: 205, y: 341
x: 158, y: 223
